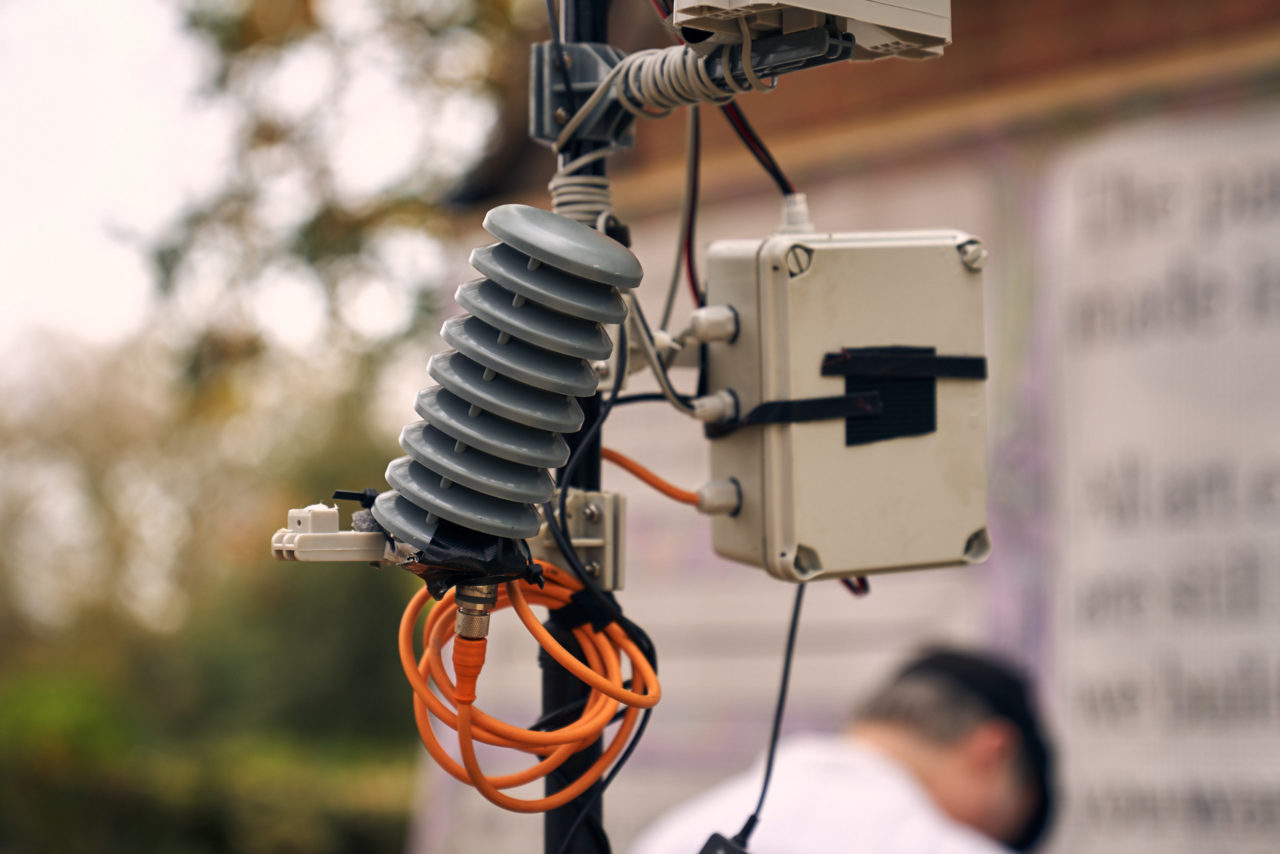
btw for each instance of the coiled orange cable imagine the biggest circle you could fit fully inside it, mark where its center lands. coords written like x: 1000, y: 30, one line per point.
x: 457, y: 710
x: 668, y: 489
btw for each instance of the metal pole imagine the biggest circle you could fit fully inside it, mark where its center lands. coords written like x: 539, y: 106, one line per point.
x: 559, y: 688
x: 580, y: 21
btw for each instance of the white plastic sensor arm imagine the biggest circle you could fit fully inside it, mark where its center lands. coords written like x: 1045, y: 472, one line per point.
x: 313, y: 535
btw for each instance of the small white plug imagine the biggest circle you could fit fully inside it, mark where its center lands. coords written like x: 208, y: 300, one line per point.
x: 795, y: 214
x: 663, y: 340
x: 313, y: 535
x: 720, y: 497
x: 314, y: 519
x: 717, y: 407
x: 714, y: 323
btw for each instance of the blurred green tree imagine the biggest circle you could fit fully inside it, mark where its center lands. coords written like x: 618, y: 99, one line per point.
x: 140, y: 613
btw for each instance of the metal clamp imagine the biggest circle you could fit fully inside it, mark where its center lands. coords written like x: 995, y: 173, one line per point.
x: 597, y: 530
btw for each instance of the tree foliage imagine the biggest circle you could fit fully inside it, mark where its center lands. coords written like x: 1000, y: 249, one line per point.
x: 140, y: 612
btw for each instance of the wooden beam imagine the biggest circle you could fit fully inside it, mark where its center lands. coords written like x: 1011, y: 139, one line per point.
x: 938, y: 127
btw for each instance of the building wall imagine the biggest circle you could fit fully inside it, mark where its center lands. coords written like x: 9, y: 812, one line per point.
x: 1000, y: 48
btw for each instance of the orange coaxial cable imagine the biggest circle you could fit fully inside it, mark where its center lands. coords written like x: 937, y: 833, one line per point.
x: 668, y: 489
x: 455, y: 707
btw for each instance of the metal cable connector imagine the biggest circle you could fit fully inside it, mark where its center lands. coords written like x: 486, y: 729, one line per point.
x: 475, y: 601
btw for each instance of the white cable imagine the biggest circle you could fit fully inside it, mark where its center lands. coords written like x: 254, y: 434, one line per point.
x: 649, y: 83
x: 585, y: 198
x: 652, y: 83
x: 640, y: 330
x: 655, y: 82
x: 747, y: 69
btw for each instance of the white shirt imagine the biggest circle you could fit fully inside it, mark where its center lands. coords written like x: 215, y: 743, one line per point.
x: 829, y: 794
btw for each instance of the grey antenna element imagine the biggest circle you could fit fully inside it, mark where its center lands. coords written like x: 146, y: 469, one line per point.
x: 505, y: 393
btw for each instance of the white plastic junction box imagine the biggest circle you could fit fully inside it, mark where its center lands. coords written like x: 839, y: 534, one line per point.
x: 893, y: 320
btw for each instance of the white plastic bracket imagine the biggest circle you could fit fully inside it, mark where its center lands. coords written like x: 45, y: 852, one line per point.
x: 313, y: 535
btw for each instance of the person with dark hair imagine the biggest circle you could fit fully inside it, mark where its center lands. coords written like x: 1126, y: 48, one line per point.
x: 949, y: 757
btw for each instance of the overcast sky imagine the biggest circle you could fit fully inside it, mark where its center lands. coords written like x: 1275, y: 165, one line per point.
x: 102, y: 138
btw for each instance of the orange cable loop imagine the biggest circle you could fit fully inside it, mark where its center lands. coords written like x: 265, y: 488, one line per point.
x: 668, y: 489
x: 454, y: 704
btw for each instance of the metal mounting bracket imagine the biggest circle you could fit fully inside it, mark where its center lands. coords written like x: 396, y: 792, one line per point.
x: 597, y: 529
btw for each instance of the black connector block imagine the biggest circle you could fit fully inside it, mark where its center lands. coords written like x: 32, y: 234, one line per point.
x: 458, y: 555
x: 719, y: 844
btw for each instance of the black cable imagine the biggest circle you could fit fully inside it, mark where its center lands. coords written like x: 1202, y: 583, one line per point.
x: 575, y: 565
x: 662, y: 8
x: 750, y: 825
x: 561, y: 60
x: 644, y: 397
x: 556, y: 522
x: 742, y: 127
x: 613, y: 772
x: 661, y: 366
x: 566, y: 477
x: 569, y: 712
x: 595, y: 826
x: 688, y: 212
x: 637, y: 634
x: 558, y: 527
x: 753, y: 142
x: 699, y: 298
x: 559, y: 532
x: 858, y: 585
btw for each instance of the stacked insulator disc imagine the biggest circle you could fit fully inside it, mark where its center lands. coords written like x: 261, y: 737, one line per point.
x: 506, y: 393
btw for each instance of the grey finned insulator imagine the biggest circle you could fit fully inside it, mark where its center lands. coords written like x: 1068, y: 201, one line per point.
x: 505, y: 394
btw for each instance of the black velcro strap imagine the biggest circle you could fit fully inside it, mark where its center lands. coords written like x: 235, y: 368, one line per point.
x: 862, y: 405
x: 582, y: 608
x: 845, y: 406
x: 902, y: 363
x: 889, y: 393
x: 906, y: 378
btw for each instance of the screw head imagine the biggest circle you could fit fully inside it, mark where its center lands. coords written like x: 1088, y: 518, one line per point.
x: 973, y: 255
x: 591, y: 512
x: 593, y: 567
x: 561, y: 115
x: 798, y: 260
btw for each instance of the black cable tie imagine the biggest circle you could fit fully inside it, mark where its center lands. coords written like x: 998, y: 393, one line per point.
x: 569, y: 616
x: 533, y: 575
x: 581, y: 609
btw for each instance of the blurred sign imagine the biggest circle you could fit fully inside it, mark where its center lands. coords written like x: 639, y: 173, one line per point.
x: 1162, y: 244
